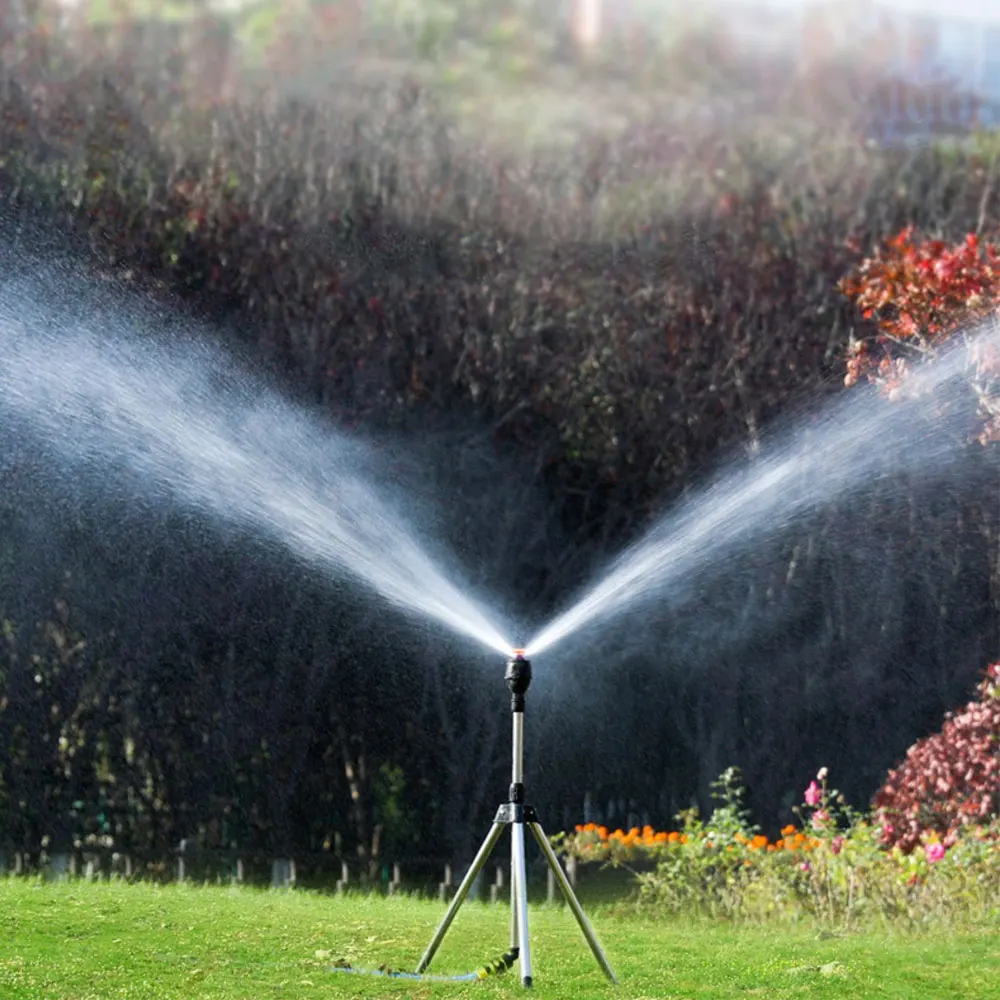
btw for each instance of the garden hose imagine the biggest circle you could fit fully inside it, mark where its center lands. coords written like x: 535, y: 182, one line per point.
x: 495, y: 968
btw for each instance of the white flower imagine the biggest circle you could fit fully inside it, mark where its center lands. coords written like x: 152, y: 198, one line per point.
x: 821, y: 775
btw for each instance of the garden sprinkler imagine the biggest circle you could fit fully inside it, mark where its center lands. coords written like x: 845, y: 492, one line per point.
x: 516, y: 814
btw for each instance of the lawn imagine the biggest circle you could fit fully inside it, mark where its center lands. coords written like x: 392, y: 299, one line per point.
x: 115, y: 940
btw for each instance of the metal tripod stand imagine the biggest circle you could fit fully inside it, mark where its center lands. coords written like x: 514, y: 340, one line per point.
x: 515, y: 814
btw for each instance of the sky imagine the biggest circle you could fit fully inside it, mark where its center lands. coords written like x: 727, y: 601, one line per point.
x: 983, y: 10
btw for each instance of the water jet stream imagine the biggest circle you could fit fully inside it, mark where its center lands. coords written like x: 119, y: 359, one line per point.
x: 182, y: 422
x: 860, y: 436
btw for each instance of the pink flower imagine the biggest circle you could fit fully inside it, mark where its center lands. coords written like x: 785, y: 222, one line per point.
x: 820, y: 818
x: 813, y: 794
x: 805, y: 866
x: 837, y: 845
x: 934, y: 852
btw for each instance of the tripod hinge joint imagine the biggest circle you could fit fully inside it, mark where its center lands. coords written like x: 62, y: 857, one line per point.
x: 515, y: 812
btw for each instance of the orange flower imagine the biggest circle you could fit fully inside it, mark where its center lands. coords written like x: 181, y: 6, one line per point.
x: 787, y: 831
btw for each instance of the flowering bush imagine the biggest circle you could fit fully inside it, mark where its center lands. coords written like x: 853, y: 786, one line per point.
x: 728, y: 830
x: 948, y: 781
x: 591, y: 842
x: 921, y: 294
x: 837, y: 866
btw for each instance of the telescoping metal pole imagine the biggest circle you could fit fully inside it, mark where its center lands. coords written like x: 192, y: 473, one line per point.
x: 518, y: 678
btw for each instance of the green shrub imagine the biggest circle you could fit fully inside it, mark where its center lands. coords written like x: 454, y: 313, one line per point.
x: 835, y: 870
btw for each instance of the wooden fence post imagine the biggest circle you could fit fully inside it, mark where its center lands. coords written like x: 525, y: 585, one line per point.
x: 283, y: 873
x: 58, y: 867
x: 182, y: 850
x: 497, y: 886
x: 344, y: 875
x: 445, y: 887
x: 571, y: 870
x: 117, y: 865
x: 397, y: 879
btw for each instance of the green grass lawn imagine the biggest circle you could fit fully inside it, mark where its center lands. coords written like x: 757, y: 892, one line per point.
x: 114, y: 940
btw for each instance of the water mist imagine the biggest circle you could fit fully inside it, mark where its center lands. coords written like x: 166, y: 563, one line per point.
x: 840, y: 449
x: 110, y: 391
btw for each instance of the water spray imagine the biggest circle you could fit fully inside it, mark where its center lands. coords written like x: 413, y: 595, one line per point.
x: 185, y: 423
x: 860, y: 436
x: 516, y: 814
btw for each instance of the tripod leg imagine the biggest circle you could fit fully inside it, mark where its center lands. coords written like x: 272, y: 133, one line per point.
x: 513, y: 898
x: 572, y: 901
x: 463, y: 890
x: 521, y: 877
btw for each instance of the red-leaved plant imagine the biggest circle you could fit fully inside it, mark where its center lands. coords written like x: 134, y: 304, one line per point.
x: 922, y: 293
x: 948, y: 781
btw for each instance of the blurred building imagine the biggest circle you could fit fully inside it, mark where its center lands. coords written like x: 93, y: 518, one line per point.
x: 936, y: 63
x: 931, y: 65
x: 949, y: 49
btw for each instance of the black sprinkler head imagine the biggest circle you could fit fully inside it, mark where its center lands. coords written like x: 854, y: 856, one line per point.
x: 518, y: 675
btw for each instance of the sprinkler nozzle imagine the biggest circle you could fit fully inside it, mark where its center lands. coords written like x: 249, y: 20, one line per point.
x: 518, y: 677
